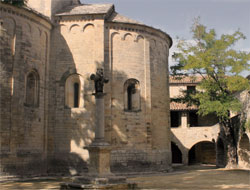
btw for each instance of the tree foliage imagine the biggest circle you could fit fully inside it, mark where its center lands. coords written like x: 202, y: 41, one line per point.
x: 18, y: 3
x: 220, y: 67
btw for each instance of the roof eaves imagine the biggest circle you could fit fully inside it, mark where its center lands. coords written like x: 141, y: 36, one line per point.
x: 167, y: 35
x: 109, y: 12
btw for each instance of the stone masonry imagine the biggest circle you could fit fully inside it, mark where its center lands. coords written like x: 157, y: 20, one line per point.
x: 48, y: 51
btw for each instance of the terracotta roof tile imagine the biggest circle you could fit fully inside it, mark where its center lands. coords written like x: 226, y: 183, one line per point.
x: 181, y: 106
x: 185, y: 80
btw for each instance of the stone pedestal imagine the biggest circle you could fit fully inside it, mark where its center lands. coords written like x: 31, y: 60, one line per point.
x: 99, y: 157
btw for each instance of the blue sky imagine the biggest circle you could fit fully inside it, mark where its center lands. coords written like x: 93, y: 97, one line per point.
x: 175, y: 17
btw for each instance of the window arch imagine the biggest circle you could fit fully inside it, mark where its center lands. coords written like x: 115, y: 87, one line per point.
x: 74, y: 91
x: 32, y: 89
x: 132, y: 95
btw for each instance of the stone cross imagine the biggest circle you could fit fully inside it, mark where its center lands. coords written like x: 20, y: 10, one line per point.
x: 99, y: 80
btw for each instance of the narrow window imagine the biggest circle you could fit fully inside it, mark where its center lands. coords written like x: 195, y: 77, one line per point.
x: 132, y: 95
x: 74, y: 91
x: 131, y: 90
x: 32, y: 90
x: 76, y: 95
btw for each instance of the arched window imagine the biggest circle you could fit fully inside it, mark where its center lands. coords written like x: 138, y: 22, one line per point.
x: 76, y: 95
x: 132, y: 95
x: 32, y: 89
x: 74, y: 91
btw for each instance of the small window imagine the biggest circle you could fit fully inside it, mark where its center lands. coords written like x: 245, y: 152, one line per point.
x: 175, y: 118
x: 191, y: 89
x: 132, y: 95
x: 193, y: 119
x: 32, y: 89
x: 74, y: 91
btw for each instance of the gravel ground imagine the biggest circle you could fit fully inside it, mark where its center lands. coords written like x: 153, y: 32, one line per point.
x: 182, y: 178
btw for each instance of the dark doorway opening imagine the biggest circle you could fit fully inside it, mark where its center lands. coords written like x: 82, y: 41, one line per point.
x: 202, y: 152
x: 220, y: 154
x: 176, y: 153
x: 193, y: 119
x: 175, y: 118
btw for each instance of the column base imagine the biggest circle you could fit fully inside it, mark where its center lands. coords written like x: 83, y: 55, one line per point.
x: 99, y: 156
x: 99, y: 176
x: 93, y: 182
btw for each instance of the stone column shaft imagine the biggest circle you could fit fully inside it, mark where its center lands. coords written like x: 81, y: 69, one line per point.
x: 99, y: 118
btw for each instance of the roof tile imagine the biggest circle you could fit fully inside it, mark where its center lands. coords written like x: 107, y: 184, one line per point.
x: 181, y: 106
x: 120, y: 18
x: 185, y: 79
x: 85, y: 9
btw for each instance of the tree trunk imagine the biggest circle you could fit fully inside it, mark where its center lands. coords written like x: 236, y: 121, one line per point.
x: 231, y: 144
x: 232, y: 156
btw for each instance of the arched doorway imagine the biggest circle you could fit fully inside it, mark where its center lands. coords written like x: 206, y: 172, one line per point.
x: 202, y: 152
x: 220, y: 153
x: 176, y: 154
x: 244, y: 143
x: 244, y: 151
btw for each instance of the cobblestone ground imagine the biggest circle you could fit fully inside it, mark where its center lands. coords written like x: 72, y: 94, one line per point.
x: 191, y: 178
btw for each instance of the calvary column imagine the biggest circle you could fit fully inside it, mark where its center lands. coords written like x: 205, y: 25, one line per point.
x: 99, y: 176
x: 99, y: 150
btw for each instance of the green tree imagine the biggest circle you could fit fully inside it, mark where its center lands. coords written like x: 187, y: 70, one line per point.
x: 220, y: 67
x: 15, y: 2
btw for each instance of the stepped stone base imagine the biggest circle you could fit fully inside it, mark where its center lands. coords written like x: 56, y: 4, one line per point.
x: 99, y: 182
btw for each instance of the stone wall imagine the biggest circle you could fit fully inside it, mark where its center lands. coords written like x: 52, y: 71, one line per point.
x: 134, y: 54
x: 49, y: 7
x: 24, y: 49
x: 41, y: 131
x: 78, y: 47
x: 186, y: 138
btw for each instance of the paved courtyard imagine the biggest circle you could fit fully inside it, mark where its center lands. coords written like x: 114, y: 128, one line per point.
x: 191, y: 178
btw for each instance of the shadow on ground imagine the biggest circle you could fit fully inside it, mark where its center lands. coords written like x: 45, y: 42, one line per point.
x: 183, y: 177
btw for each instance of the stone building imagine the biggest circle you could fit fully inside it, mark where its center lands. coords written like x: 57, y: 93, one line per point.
x: 49, y: 49
x: 197, y: 139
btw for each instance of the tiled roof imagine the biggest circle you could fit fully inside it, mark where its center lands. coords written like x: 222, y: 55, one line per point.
x: 86, y: 9
x: 185, y: 79
x: 115, y: 17
x: 181, y: 106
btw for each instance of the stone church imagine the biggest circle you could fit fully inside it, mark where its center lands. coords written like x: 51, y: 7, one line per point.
x: 48, y: 50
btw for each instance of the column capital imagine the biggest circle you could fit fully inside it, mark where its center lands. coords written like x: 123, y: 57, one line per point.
x: 99, y: 95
